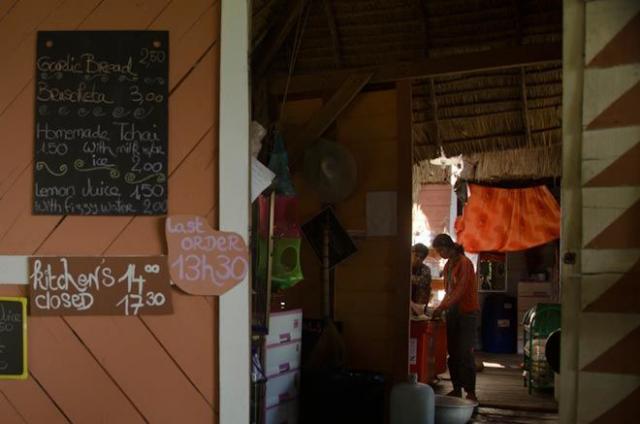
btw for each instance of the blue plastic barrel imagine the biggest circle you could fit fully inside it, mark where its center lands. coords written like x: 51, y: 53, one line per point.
x: 499, y: 324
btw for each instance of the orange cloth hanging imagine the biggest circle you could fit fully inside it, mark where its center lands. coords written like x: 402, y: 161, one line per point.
x: 507, y: 220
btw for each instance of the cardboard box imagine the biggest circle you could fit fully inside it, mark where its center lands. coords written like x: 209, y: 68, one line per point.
x: 534, y: 289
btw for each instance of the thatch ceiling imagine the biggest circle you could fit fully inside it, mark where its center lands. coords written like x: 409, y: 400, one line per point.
x: 371, y: 32
x: 475, y: 112
x: 488, y: 111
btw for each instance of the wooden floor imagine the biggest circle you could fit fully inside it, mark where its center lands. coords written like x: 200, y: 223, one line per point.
x: 502, y: 395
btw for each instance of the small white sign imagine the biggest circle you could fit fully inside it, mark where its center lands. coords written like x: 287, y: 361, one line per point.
x: 382, y: 213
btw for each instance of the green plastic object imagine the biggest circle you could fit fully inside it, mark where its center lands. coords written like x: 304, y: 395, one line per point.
x: 286, y: 263
x: 539, y: 322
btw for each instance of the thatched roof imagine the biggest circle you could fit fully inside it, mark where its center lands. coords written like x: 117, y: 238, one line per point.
x: 479, y: 112
x: 463, y: 113
x: 372, y: 32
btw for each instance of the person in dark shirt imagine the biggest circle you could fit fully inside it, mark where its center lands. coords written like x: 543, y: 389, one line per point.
x: 420, y: 279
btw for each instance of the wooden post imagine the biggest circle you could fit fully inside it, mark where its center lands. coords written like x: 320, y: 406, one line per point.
x: 403, y: 247
x: 571, y: 234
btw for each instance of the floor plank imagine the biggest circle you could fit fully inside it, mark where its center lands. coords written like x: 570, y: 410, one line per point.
x: 502, y: 394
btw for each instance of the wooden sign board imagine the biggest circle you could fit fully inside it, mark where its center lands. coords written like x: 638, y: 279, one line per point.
x: 203, y: 261
x: 101, y: 123
x: 13, y: 338
x: 126, y: 285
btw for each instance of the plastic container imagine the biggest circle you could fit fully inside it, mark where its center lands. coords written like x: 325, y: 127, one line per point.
x: 453, y: 410
x: 412, y: 403
x: 499, y: 324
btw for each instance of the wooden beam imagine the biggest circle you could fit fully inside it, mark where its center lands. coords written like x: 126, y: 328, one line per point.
x: 402, y: 290
x: 321, y: 120
x: 274, y: 43
x: 333, y: 28
x: 499, y: 58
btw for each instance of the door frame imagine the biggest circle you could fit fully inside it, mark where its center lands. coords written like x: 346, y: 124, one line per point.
x: 234, y: 179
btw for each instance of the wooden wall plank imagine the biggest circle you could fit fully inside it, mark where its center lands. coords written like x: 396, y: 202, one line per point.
x: 186, y: 334
x: 144, y: 371
x: 32, y: 401
x: 204, y: 33
x: 124, y: 14
x: 8, y: 413
x: 163, y: 366
x: 5, y: 8
x: 68, y: 15
x: 16, y: 127
x: 23, y: 19
x: 70, y: 374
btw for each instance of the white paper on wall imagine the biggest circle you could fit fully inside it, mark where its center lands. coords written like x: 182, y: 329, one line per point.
x: 382, y: 213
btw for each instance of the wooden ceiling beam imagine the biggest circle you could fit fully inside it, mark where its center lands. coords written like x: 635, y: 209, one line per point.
x: 500, y: 58
x: 323, y: 119
x: 276, y: 40
x: 333, y: 29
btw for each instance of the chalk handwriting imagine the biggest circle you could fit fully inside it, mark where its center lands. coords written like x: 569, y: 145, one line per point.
x: 118, y: 285
x: 101, y: 124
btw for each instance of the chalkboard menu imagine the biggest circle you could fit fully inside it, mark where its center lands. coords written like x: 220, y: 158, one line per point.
x: 93, y: 285
x: 13, y: 338
x: 101, y: 123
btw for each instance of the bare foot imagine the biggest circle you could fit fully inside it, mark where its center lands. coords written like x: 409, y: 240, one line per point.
x: 472, y: 396
x: 455, y: 393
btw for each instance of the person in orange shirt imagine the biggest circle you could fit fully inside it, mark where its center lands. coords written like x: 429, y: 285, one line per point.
x: 461, y: 306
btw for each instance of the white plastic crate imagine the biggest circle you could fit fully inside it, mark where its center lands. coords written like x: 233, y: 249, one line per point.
x: 285, y: 413
x: 282, y: 358
x: 282, y: 388
x: 284, y: 327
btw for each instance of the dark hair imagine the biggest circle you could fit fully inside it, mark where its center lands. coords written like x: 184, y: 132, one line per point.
x: 445, y: 241
x: 421, y: 249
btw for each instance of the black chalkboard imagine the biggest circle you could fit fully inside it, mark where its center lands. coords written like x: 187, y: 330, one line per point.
x: 101, y: 123
x: 13, y: 356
